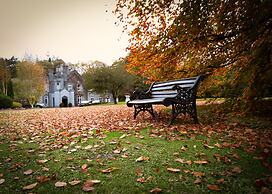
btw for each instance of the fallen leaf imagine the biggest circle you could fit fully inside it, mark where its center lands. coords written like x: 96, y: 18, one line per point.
x: 96, y: 181
x: 60, y: 184
x: 42, y: 179
x: 74, y: 182
x: 141, y: 180
x: 180, y: 160
x: 2, y: 181
x: 88, y: 186
x: 201, y: 162
x: 42, y: 161
x: 265, y: 190
x: 155, y: 190
x: 142, y: 158
x: 218, y: 145
x: 29, y: 187
x: 220, y: 181
x: 117, y: 151
x: 28, y: 172
x: 173, y: 170
x: 108, y: 170
x: 123, y: 136
x: 88, y: 147
x: 183, y: 148
x: 198, y: 174
x: 197, y: 181
x: 84, y: 166
x: 213, y: 187
x: 208, y: 146
x: 270, y: 179
x: 236, y: 170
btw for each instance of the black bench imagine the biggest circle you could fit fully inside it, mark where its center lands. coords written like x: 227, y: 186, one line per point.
x: 181, y: 94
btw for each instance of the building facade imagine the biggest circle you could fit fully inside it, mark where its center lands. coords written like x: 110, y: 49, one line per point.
x: 64, y: 88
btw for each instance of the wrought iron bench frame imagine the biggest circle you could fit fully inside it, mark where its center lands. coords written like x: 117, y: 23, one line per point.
x: 181, y: 94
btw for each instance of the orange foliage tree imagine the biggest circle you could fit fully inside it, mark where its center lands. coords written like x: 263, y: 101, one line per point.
x: 228, y: 40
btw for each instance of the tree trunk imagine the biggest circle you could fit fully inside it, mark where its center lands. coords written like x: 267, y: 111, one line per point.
x: 114, y: 95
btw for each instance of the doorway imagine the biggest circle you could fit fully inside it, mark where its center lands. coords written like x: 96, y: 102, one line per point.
x: 64, y: 101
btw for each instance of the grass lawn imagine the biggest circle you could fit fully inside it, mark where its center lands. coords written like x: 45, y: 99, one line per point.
x: 58, y: 151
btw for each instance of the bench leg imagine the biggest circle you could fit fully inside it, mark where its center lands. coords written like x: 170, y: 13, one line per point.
x: 185, y: 108
x: 145, y: 107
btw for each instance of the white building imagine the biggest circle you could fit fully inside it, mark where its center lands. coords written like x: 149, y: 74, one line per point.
x: 64, y: 88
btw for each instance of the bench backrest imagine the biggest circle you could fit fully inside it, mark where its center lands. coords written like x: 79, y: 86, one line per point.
x: 165, y: 89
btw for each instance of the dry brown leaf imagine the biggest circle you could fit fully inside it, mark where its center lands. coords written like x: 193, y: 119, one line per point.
x: 220, y: 181
x: 201, y: 162
x: 29, y: 187
x: 60, y: 184
x: 173, y: 170
x: 213, y: 187
x: 117, y: 151
x: 156, y: 190
x: 180, y: 160
x: 42, y: 179
x: 198, y: 174
x: 42, y: 161
x: 88, y: 186
x: 2, y: 181
x: 28, y: 172
x: 74, y: 182
x: 197, y: 181
x: 108, y: 170
x: 84, y: 166
x: 142, y: 158
x: 236, y: 170
x: 141, y: 180
x: 95, y: 181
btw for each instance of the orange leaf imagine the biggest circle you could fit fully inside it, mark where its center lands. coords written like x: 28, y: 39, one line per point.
x: 60, y: 184
x: 201, y: 162
x: 29, y: 187
x: 198, y: 174
x: 142, y: 158
x: 74, y: 182
x: 173, y: 170
x: 141, y: 180
x: 155, y: 190
x: 42, y: 179
x: 88, y: 186
x: 28, y: 172
x: 213, y: 187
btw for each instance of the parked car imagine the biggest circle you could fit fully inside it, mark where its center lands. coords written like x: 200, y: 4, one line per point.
x: 85, y: 103
x: 40, y: 105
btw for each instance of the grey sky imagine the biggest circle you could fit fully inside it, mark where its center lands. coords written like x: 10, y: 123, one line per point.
x: 74, y: 30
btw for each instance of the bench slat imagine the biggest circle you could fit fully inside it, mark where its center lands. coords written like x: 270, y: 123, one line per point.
x: 164, y: 96
x: 178, y: 82
x: 171, y: 87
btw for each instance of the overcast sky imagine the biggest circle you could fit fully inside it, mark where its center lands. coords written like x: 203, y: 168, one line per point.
x: 74, y: 30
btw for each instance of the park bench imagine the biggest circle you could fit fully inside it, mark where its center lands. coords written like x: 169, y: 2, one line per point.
x: 181, y: 94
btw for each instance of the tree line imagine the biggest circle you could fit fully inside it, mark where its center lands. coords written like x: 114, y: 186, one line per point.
x: 25, y: 81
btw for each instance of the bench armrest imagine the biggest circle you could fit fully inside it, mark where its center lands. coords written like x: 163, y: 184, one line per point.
x: 140, y: 94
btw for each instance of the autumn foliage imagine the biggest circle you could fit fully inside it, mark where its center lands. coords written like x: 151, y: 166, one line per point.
x: 230, y: 41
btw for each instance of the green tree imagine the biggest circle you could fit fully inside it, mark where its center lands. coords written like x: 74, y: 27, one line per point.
x: 30, y: 81
x: 113, y: 79
x: 179, y: 38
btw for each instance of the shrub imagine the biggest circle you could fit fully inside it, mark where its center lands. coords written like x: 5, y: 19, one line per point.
x: 16, y: 105
x: 5, y: 101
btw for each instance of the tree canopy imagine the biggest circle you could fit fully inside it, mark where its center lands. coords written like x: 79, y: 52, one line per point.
x: 228, y: 40
x: 110, y: 79
x: 30, y: 81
